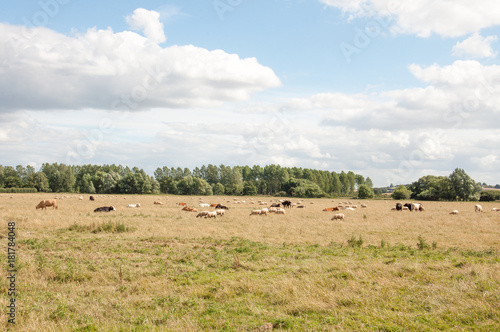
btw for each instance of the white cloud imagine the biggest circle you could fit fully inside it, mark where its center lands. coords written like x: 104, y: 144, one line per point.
x: 147, y: 21
x: 42, y: 69
x: 476, y: 46
x: 425, y: 17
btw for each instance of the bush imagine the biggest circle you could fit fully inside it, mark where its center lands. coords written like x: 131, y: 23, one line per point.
x: 365, y: 191
x: 18, y: 190
x: 401, y: 192
x: 489, y: 196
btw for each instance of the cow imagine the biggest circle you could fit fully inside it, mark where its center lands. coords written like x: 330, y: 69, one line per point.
x: 181, y: 204
x: 187, y: 208
x: 47, y: 202
x: 157, y: 203
x: 399, y: 207
x: 478, y: 208
x: 336, y: 208
x: 105, y: 209
x: 454, y: 212
x: 204, y: 205
x: 92, y: 198
x: 339, y: 216
x: 417, y: 207
x: 220, y: 206
x: 213, y: 205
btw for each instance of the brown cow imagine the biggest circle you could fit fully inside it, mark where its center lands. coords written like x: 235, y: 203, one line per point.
x: 332, y: 209
x: 181, y: 204
x: 157, y: 203
x: 48, y: 202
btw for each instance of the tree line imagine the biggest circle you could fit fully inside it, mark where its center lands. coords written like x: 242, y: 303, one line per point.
x: 204, y: 180
x: 458, y: 186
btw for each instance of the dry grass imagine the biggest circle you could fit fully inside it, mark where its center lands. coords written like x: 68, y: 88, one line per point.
x: 159, y: 268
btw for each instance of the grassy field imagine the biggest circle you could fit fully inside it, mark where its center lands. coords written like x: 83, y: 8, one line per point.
x: 157, y: 268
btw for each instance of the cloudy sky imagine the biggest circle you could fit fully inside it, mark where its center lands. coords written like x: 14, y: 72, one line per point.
x: 392, y: 90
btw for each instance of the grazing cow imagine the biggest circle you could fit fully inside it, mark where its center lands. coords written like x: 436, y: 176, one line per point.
x: 454, y: 212
x: 417, y: 207
x: 202, y: 214
x: 287, y: 204
x: 339, y: 216
x: 157, y: 203
x: 47, y: 202
x: 399, y: 207
x: 255, y: 212
x: 134, y: 205
x: 212, y: 214
x: 92, y: 198
x: 478, y: 208
x: 220, y: 206
x: 105, y: 209
x: 181, y: 204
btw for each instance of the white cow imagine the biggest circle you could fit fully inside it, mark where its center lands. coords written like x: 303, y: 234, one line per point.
x: 204, y: 205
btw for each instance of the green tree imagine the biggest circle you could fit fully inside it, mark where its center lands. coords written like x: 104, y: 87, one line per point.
x: 364, y: 191
x: 463, y: 188
x: 218, y: 189
x: 401, y: 192
x: 249, y: 189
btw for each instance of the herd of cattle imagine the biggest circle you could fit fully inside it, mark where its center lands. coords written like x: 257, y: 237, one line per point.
x: 277, y: 207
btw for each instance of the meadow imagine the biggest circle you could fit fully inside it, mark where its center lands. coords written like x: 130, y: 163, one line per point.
x: 158, y: 268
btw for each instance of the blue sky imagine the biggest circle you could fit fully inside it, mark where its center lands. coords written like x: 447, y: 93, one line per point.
x: 391, y: 91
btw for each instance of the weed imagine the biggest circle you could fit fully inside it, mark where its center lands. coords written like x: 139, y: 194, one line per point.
x: 353, y: 243
x: 422, y: 243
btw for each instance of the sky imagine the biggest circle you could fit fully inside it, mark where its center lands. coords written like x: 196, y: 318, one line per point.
x: 387, y: 89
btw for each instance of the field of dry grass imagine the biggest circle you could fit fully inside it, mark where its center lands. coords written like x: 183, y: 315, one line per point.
x: 159, y: 268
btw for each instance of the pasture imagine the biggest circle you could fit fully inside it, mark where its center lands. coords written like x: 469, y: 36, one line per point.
x: 158, y: 268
